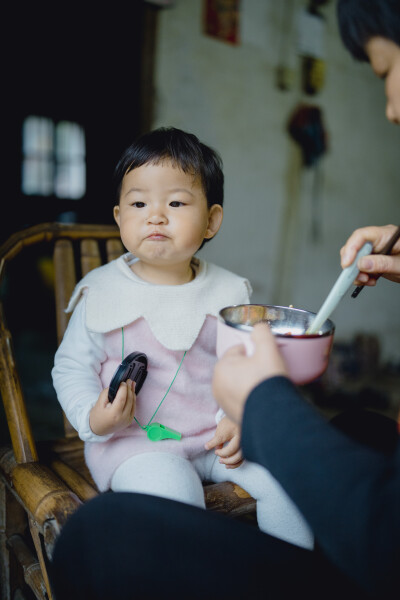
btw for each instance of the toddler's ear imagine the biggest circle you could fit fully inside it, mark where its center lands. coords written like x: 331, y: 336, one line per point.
x: 215, y: 217
x: 116, y: 214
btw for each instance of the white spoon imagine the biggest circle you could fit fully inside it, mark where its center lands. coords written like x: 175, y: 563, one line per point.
x: 341, y: 286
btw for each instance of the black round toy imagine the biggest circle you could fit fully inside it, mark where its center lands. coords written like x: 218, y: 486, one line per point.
x: 133, y: 367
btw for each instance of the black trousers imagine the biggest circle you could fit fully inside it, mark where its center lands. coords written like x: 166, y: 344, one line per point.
x: 122, y: 546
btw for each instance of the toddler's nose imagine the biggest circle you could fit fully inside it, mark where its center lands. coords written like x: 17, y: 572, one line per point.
x: 157, y: 218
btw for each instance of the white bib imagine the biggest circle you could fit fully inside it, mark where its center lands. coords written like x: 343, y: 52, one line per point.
x: 175, y: 313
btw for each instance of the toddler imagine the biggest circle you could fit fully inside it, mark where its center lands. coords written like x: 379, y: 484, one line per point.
x: 161, y: 300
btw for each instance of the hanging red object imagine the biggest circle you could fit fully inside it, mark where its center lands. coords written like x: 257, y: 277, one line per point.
x: 221, y: 20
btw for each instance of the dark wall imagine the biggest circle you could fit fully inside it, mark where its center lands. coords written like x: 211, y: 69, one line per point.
x: 67, y: 63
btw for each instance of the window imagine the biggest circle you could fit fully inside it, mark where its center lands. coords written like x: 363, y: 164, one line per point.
x: 53, y: 160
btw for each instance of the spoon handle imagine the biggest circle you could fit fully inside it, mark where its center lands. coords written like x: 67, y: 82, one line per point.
x: 341, y: 286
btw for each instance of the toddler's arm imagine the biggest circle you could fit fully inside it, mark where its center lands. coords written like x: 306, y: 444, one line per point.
x: 76, y: 372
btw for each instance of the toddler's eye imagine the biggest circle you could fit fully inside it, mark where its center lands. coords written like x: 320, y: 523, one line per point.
x: 138, y: 204
x: 176, y: 203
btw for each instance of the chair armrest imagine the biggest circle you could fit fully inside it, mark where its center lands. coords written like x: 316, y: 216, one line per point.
x: 45, y: 497
x: 43, y: 494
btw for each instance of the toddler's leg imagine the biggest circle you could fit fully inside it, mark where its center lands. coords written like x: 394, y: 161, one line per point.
x: 276, y: 513
x: 160, y: 474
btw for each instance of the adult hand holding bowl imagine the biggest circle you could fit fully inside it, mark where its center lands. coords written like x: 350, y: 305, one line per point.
x: 306, y: 356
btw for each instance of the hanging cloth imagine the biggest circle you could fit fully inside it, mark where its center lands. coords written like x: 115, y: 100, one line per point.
x: 307, y: 129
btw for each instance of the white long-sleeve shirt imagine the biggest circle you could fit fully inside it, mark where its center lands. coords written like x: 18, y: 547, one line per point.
x: 162, y: 322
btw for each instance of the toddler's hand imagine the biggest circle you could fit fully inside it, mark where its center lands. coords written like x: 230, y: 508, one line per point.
x: 227, y: 432
x: 108, y: 417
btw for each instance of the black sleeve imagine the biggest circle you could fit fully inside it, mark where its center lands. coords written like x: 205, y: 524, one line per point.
x: 349, y: 494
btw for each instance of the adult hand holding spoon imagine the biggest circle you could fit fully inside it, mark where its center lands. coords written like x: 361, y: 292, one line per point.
x: 340, y: 287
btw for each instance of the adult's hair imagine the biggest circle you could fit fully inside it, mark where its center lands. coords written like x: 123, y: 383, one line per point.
x: 360, y: 20
x: 184, y: 150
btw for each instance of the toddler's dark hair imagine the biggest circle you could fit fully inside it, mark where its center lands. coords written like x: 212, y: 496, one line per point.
x: 184, y: 150
x: 360, y: 20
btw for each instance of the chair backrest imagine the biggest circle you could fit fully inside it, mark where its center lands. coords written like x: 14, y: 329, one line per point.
x: 76, y: 250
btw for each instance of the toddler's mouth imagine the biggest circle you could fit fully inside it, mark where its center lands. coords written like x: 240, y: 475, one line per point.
x: 156, y: 236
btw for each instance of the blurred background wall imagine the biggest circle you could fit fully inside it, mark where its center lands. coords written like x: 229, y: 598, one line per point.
x: 228, y: 95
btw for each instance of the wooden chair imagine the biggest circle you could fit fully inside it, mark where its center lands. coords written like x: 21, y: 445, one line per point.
x: 43, y: 482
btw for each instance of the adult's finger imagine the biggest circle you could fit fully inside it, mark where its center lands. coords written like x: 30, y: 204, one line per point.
x: 380, y: 264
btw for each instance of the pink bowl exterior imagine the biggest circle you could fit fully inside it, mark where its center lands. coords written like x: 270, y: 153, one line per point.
x: 306, y: 358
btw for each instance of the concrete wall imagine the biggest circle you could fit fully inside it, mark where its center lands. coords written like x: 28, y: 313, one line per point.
x: 228, y: 97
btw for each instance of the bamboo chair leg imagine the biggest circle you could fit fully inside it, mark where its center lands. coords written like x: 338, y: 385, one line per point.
x: 12, y: 521
x: 4, y: 554
x: 39, y: 550
x: 31, y: 568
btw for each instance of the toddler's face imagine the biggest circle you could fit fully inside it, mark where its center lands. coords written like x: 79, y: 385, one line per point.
x: 163, y: 214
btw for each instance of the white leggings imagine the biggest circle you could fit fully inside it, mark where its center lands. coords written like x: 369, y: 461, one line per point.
x: 177, y: 478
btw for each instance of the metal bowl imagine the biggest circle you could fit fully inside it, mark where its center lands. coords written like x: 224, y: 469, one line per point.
x: 283, y: 320
x: 306, y: 356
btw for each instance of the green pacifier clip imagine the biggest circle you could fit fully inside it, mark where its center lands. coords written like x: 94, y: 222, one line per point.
x: 157, y: 431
